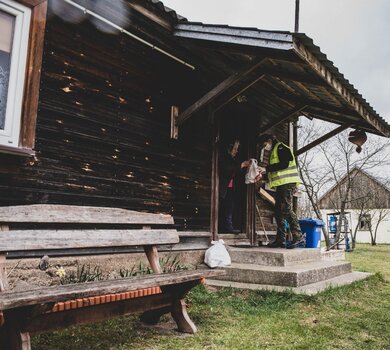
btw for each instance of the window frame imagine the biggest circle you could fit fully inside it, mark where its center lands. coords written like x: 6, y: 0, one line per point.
x: 26, y: 115
x: 364, y: 219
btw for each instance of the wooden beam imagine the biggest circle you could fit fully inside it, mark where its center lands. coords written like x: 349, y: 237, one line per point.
x: 266, y: 196
x: 33, y: 73
x: 150, y: 12
x: 289, y: 114
x: 297, y: 77
x: 23, y: 240
x: 219, y: 90
x: 322, y: 139
x: 241, y: 90
x: 174, y: 127
x: 75, y: 214
x: 215, y: 180
x: 53, y: 294
x: 340, y: 87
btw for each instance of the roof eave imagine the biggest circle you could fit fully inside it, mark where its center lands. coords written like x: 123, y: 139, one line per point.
x: 336, y: 84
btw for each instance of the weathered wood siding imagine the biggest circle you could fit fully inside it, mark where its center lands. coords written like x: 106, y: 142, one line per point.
x: 103, y: 130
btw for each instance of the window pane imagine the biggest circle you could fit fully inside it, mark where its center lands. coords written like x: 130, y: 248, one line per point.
x: 6, y: 29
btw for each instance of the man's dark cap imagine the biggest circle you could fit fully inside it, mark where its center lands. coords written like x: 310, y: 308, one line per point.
x: 264, y: 137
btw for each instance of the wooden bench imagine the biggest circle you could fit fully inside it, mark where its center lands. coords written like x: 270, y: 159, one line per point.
x: 60, y: 227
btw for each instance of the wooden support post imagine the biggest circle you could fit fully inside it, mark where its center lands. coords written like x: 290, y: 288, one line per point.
x: 180, y: 315
x: 152, y: 254
x: 215, y: 181
x: 3, y: 273
x: 322, y: 139
x: 251, y: 189
x: 11, y: 336
x: 250, y: 213
x: 174, y: 126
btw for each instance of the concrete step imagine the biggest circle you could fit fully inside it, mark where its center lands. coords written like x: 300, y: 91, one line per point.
x: 290, y: 276
x: 231, y: 239
x: 308, y: 289
x: 274, y: 256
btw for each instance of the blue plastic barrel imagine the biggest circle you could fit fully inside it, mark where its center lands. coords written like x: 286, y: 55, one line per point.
x: 312, y: 229
x: 332, y: 224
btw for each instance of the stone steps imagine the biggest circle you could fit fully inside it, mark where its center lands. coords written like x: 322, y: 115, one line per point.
x: 308, y: 289
x: 273, y: 257
x: 290, y: 276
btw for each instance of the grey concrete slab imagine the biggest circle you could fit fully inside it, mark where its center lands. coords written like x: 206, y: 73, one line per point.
x: 291, y: 276
x: 309, y: 289
x: 274, y: 256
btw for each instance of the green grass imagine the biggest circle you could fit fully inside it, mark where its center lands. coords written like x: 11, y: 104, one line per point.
x: 352, y: 317
x: 370, y: 258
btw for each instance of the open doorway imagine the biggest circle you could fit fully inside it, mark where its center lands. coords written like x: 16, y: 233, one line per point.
x: 233, y: 150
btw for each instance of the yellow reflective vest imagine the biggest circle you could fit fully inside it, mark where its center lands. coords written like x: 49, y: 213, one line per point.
x: 286, y: 176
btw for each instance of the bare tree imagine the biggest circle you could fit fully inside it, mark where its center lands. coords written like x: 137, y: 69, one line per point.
x: 331, y: 163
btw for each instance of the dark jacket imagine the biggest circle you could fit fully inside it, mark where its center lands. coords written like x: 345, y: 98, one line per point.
x: 228, y: 169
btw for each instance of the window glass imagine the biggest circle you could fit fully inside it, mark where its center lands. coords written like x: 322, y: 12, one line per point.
x: 7, y: 23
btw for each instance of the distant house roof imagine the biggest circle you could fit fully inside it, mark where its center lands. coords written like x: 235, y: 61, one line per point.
x: 379, y: 188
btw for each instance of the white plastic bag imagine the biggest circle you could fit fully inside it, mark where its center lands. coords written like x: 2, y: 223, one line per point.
x: 217, y: 255
x: 252, y: 173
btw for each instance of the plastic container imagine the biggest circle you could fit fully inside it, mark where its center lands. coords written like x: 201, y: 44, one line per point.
x: 312, y: 229
x: 332, y: 224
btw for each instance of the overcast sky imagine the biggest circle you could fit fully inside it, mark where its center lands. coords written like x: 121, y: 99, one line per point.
x: 354, y: 34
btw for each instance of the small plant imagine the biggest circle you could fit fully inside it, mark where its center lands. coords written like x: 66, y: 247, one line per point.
x: 168, y: 264
x: 142, y: 270
x: 172, y: 264
x: 85, y: 273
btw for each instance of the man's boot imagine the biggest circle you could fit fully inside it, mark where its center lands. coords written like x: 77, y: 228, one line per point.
x: 279, y: 242
x: 298, y: 241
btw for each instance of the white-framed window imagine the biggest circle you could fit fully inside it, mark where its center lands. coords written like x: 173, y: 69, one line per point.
x: 14, y: 39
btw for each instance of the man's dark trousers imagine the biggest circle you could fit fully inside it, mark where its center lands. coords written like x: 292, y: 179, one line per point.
x: 284, y: 211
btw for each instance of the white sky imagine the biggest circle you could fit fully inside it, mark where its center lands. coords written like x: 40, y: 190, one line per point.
x: 352, y: 33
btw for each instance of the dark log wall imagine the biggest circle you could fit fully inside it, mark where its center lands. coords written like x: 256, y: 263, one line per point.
x: 103, y: 132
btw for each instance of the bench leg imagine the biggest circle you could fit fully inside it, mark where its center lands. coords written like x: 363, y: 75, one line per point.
x: 180, y: 315
x: 152, y: 317
x: 13, y: 339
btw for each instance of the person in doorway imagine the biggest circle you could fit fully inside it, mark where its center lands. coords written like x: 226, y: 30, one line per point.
x: 282, y: 173
x: 229, y: 168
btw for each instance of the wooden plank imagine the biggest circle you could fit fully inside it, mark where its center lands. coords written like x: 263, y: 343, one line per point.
x: 11, y: 299
x: 53, y: 213
x: 174, y: 127
x: 322, y: 139
x: 265, y: 195
x: 59, y: 320
x: 3, y: 273
x: 33, y: 72
x: 152, y: 255
x: 218, y: 90
x: 149, y: 11
x: 16, y: 240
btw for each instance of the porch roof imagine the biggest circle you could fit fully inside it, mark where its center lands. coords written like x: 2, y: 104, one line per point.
x: 280, y: 74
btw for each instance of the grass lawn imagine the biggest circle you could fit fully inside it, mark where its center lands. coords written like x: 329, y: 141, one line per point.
x: 353, y: 317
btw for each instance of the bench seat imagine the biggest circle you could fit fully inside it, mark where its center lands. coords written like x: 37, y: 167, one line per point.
x: 53, y: 294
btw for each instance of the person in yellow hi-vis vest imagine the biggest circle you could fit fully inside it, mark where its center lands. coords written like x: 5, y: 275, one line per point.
x: 283, y: 176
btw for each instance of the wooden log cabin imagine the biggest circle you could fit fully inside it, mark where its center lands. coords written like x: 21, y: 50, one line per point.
x: 126, y: 104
